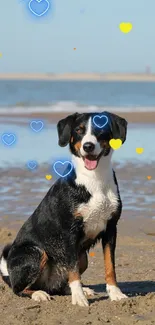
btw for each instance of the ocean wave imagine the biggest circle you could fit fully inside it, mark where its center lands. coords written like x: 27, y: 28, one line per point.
x: 63, y: 106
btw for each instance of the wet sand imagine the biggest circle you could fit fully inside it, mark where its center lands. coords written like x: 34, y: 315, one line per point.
x: 20, y: 185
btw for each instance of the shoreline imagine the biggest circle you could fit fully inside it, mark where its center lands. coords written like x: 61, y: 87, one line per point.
x: 142, y: 77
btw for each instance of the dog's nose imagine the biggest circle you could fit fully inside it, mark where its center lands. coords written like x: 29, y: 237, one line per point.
x: 88, y: 147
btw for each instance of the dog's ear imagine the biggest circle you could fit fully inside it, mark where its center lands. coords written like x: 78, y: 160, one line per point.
x: 64, y: 128
x: 118, y: 126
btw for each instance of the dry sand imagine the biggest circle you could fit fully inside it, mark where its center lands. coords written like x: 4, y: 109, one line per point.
x: 135, y: 267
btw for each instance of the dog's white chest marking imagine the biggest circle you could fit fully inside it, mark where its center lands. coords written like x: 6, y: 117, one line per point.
x: 103, y: 202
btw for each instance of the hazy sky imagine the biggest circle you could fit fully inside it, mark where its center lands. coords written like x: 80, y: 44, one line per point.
x: 30, y: 44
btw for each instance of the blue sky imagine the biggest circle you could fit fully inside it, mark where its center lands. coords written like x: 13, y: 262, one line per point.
x: 31, y: 44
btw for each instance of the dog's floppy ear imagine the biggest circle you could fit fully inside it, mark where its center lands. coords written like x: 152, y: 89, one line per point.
x: 64, y: 127
x: 118, y: 126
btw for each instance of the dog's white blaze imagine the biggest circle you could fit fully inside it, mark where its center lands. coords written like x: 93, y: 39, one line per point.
x: 89, y: 137
x: 3, y: 267
x: 104, y: 201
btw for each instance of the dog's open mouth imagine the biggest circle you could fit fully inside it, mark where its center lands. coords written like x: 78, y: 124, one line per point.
x: 91, y: 161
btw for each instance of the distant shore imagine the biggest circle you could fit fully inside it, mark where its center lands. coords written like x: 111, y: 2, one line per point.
x: 53, y: 117
x: 79, y: 76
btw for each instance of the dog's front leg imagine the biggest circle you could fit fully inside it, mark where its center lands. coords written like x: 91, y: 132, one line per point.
x: 78, y: 296
x: 109, y: 245
x: 74, y: 277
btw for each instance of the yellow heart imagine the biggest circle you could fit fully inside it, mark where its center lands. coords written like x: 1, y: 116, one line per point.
x: 48, y: 177
x: 125, y: 27
x: 139, y: 150
x: 149, y: 177
x: 115, y: 143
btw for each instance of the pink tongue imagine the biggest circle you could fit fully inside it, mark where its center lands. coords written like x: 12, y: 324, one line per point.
x: 90, y: 164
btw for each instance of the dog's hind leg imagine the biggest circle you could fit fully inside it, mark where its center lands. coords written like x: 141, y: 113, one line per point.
x: 25, y: 264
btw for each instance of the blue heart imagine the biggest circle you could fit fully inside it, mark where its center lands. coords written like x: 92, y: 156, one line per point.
x: 39, y: 7
x: 32, y: 164
x: 8, y: 138
x: 36, y: 125
x: 59, y: 170
x: 100, y: 120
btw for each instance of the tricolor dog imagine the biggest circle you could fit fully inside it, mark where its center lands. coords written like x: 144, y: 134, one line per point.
x: 49, y: 253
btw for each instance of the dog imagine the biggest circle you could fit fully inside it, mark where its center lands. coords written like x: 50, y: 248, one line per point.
x: 49, y: 254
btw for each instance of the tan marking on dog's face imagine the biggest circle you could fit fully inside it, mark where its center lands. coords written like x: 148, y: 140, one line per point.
x: 104, y: 144
x: 72, y: 139
x: 82, y: 126
x: 110, y: 274
x: 77, y: 145
x: 81, y: 129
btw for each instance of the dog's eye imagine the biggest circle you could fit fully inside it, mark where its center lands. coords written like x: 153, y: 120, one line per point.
x: 80, y: 129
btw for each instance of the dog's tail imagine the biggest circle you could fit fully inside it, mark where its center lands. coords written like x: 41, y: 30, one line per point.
x: 3, y: 264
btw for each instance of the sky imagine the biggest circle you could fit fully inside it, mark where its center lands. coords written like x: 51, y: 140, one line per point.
x: 31, y: 44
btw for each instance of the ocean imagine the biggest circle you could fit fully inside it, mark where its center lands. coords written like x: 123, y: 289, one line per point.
x: 43, y: 96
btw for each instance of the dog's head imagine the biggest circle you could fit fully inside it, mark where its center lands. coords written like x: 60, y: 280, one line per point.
x: 88, y: 135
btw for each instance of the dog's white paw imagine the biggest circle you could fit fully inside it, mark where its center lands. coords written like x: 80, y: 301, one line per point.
x: 88, y: 292
x: 115, y: 293
x: 78, y: 296
x: 40, y: 296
